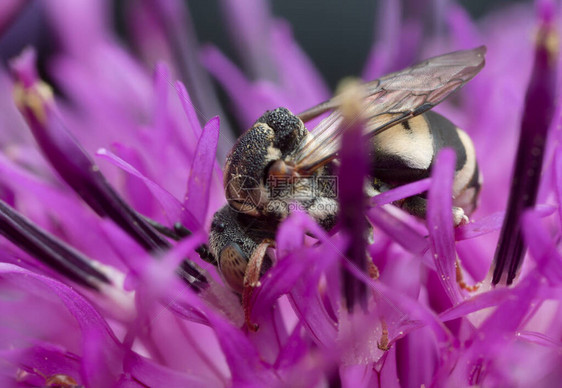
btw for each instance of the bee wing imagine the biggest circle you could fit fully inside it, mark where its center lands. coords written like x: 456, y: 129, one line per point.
x: 390, y: 100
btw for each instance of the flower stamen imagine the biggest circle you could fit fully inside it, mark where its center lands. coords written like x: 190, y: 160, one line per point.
x: 75, y: 167
x: 537, y: 116
x: 50, y: 250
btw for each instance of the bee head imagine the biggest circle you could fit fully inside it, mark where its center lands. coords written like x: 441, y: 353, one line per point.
x: 289, y: 129
x: 260, y: 153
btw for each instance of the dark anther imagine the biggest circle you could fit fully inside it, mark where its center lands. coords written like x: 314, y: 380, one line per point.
x: 181, y: 231
x: 537, y: 115
x: 205, y: 254
x: 193, y: 278
x: 48, y: 249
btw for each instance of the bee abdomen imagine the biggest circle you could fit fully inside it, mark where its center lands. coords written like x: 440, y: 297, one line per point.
x: 407, y: 151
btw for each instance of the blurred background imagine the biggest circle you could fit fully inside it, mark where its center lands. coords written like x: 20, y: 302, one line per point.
x: 337, y: 38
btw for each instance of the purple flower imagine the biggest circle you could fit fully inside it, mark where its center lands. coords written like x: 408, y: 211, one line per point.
x: 94, y: 176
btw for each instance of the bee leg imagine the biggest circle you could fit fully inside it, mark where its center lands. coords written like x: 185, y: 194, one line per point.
x: 417, y: 206
x: 252, y: 279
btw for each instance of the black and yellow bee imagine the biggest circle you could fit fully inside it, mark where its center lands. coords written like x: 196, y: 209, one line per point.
x: 278, y: 163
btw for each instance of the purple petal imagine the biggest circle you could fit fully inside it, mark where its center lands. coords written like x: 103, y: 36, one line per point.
x: 172, y: 21
x: 417, y: 358
x: 24, y: 69
x: 389, y: 375
x: 103, y: 365
x: 148, y: 34
x: 476, y: 303
x: 271, y: 336
x: 161, y: 103
x: 87, y: 17
x: 558, y: 173
x: 291, y: 231
x: 135, y: 191
x: 295, y: 348
x: 189, y: 109
x: 357, y: 375
x: 245, y: 364
x: 540, y: 339
x: 172, y: 207
x: 403, y: 305
x: 158, y: 275
x: 243, y: 360
x: 300, y: 270
x: 401, y: 192
x: 14, y: 130
x: 486, y: 225
x: 297, y: 272
x: 196, y: 197
x: 440, y: 223
x: 401, y: 271
x: 166, y: 127
x: 9, y: 10
x: 151, y: 374
x: 399, y: 231
x: 542, y: 248
x: 41, y: 361
x: 290, y: 235
x: 396, y: 42
x: 463, y: 30
x: 317, y: 321
x: 388, y: 34
x: 249, y: 22
x: 500, y: 327
x: 250, y: 101
x: 286, y: 77
x: 299, y: 77
x: 492, y: 223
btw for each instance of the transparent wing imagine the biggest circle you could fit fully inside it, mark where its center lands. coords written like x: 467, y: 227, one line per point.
x: 390, y: 100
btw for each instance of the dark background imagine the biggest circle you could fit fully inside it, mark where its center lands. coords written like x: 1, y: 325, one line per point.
x: 321, y: 27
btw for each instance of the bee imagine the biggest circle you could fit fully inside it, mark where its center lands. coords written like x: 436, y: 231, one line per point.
x: 278, y: 164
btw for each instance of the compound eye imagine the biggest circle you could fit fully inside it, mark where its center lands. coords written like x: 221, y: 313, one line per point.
x: 232, y: 266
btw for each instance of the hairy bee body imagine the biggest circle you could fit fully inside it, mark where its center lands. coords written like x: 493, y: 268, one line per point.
x: 278, y: 166
x: 402, y: 154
